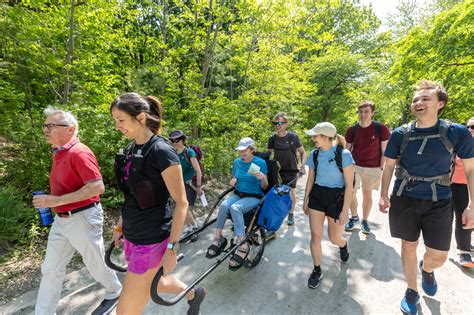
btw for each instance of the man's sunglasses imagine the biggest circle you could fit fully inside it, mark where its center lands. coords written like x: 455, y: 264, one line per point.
x: 278, y: 123
x: 470, y: 127
x: 176, y: 140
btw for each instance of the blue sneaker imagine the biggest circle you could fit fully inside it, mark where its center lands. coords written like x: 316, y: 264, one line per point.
x: 352, y: 222
x: 428, y: 281
x: 365, y: 227
x: 409, y: 302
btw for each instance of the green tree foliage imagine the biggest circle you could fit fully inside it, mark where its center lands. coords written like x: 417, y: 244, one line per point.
x: 222, y: 69
x: 440, y: 50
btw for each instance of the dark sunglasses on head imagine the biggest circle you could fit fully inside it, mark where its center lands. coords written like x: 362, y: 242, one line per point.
x: 278, y: 123
x: 470, y: 127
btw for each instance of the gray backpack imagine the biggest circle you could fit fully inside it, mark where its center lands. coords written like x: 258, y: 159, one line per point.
x: 402, y: 174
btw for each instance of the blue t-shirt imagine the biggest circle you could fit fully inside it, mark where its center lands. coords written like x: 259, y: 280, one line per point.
x: 188, y: 169
x: 248, y: 183
x: 434, y: 161
x: 328, y: 174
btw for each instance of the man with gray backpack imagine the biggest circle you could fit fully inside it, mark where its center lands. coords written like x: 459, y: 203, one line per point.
x: 421, y: 153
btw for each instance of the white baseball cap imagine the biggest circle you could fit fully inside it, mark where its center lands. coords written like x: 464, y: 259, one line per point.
x: 245, y: 143
x: 323, y: 128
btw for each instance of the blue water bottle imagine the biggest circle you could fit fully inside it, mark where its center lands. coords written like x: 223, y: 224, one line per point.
x: 45, y: 214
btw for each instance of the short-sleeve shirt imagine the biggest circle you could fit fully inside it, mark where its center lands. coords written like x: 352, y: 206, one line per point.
x: 248, y: 183
x: 285, y: 151
x: 188, y: 169
x: 74, y: 165
x: 328, y: 174
x: 366, y: 146
x: 459, y: 177
x: 148, y: 226
x: 434, y: 161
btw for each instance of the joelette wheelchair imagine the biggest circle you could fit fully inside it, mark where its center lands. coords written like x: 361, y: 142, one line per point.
x: 255, y: 236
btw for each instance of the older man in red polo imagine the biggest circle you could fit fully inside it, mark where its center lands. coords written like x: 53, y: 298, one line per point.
x: 76, y: 184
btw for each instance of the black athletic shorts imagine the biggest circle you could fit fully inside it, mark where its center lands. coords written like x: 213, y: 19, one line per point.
x: 288, y: 177
x: 410, y: 216
x: 327, y: 200
x: 190, y: 194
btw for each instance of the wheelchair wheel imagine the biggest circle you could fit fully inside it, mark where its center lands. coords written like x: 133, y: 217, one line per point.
x: 257, y: 246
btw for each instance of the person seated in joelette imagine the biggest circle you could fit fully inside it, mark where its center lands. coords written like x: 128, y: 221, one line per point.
x: 249, y: 177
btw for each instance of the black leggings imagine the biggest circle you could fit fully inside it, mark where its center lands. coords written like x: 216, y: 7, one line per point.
x: 460, y: 201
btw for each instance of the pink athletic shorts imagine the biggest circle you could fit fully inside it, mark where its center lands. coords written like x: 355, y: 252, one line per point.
x: 140, y: 258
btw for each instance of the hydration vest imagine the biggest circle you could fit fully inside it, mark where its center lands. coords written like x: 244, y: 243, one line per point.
x: 402, y: 174
x: 143, y: 188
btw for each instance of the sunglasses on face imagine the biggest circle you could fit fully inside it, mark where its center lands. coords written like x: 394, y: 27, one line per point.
x: 175, y: 140
x: 51, y: 126
x: 278, y: 123
x: 470, y: 127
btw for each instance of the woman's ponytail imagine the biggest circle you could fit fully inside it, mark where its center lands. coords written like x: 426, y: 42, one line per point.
x: 340, y: 140
x: 154, y: 117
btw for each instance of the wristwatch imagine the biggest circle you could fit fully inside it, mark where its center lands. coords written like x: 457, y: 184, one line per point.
x: 173, y: 246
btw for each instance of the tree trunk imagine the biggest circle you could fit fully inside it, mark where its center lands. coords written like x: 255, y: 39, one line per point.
x: 69, y: 55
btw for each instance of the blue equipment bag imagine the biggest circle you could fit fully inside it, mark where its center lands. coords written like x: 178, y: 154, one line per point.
x: 275, y: 208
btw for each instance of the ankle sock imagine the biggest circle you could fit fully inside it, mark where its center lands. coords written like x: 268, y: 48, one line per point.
x: 317, y: 269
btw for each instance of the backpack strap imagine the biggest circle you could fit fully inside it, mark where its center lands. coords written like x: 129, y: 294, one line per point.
x: 292, y: 139
x: 406, y: 130
x: 151, y: 142
x: 354, y: 131
x: 443, y: 135
x: 338, y: 157
x: 186, y: 155
x: 378, y: 130
x: 272, y: 140
x: 402, y: 174
x: 315, y: 162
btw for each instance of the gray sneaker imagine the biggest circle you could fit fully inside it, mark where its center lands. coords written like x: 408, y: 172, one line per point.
x: 106, y: 307
x: 314, y: 279
x: 271, y: 235
x: 351, y: 224
x: 365, y: 227
x: 195, y: 304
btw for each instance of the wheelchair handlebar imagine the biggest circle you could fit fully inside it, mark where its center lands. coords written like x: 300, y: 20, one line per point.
x: 109, y: 262
x: 172, y: 301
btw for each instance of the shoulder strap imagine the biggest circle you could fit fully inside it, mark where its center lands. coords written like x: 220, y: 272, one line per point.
x: 406, y: 130
x: 291, y: 139
x: 129, y: 148
x: 186, y: 154
x: 151, y: 142
x: 338, y: 157
x: 443, y: 135
x: 378, y: 130
x: 354, y: 130
x: 272, y: 141
x: 315, y: 162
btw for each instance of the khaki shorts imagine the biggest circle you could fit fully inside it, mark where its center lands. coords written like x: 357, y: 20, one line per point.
x: 369, y: 177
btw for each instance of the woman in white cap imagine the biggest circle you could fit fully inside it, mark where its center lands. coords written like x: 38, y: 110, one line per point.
x: 249, y: 177
x: 328, y: 192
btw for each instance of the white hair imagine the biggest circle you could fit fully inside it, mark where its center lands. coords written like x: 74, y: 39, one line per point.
x: 68, y: 117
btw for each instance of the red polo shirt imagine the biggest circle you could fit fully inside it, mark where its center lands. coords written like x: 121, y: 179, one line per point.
x: 74, y: 165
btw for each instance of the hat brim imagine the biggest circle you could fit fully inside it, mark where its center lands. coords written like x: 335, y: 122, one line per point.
x: 310, y: 132
x: 240, y: 148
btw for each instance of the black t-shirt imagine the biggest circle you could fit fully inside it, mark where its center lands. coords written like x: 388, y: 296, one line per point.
x: 151, y: 225
x: 285, y: 151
